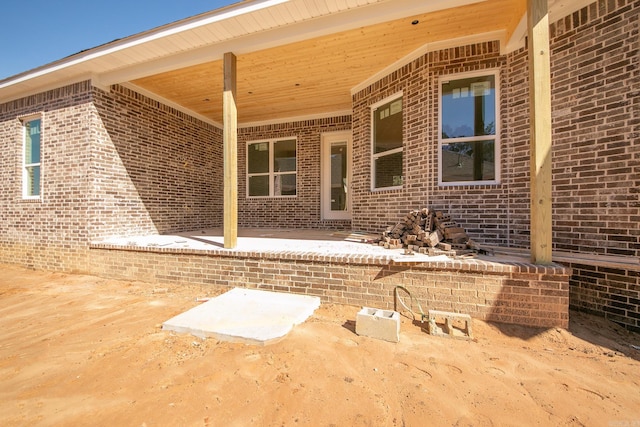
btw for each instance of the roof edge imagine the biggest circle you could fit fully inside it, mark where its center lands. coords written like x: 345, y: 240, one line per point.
x: 143, y: 37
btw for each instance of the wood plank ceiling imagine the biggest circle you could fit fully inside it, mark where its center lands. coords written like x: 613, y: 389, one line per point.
x: 315, y: 76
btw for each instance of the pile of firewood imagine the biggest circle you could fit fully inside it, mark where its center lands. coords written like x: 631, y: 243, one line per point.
x: 429, y: 232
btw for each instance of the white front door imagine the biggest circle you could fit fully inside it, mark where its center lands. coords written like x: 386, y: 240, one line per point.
x: 335, y: 161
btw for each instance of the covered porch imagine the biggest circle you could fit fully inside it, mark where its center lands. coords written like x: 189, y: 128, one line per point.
x: 331, y: 71
x: 310, y: 60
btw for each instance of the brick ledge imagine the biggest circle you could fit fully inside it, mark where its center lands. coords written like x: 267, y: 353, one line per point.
x: 473, y: 264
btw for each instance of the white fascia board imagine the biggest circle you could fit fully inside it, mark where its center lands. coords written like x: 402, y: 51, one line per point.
x: 12, y: 95
x: 498, y: 35
x: 165, y: 31
x: 313, y: 28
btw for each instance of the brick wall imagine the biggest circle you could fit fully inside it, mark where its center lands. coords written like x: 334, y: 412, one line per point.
x: 112, y: 164
x: 517, y: 152
x: 155, y: 169
x: 609, y: 291
x: 482, y: 210
x: 596, y: 129
x: 509, y: 293
x: 49, y: 233
x: 302, y: 211
x: 596, y: 155
x: 596, y: 162
x: 595, y: 78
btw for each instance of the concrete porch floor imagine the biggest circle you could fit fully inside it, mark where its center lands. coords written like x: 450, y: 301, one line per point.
x: 310, y: 241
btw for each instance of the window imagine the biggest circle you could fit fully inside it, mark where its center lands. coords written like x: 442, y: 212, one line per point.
x: 31, y: 159
x: 469, y: 129
x: 271, y: 168
x: 387, y: 143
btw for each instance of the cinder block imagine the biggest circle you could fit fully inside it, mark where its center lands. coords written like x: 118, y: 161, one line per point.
x: 379, y: 324
x: 446, y: 324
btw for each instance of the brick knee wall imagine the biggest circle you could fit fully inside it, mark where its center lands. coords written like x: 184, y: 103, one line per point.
x: 509, y: 293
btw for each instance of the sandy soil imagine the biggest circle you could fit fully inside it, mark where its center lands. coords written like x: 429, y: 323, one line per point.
x: 81, y: 350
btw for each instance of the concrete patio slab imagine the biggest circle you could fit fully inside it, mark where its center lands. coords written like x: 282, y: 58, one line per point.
x: 245, y: 315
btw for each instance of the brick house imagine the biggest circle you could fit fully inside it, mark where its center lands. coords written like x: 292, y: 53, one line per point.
x: 423, y: 103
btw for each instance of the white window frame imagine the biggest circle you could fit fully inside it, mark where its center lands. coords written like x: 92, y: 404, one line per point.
x: 326, y: 140
x: 272, y: 174
x: 446, y: 78
x: 374, y: 155
x: 23, y: 160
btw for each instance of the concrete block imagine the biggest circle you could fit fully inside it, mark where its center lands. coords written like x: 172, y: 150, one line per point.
x: 447, y: 324
x: 379, y: 324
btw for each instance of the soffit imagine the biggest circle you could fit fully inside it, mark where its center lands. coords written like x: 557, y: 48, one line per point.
x: 216, y: 27
x: 315, y: 76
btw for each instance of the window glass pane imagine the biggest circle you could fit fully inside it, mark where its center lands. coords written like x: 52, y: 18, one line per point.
x: 284, y: 156
x: 387, y: 126
x: 258, y: 155
x: 468, y: 107
x: 259, y: 185
x: 468, y: 161
x: 33, y: 181
x: 388, y: 170
x: 339, y: 177
x: 284, y: 185
x: 32, y: 142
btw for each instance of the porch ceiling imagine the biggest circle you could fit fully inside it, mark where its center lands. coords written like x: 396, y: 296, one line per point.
x: 316, y: 76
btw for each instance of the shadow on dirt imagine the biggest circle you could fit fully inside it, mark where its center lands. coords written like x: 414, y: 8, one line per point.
x: 605, y: 334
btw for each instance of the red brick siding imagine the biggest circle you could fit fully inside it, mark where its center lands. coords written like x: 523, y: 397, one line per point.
x: 50, y: 233
x: 607, y: 291
x: 302, y: 211
x: 154, y: 170
x: 482, y: 210
x: 596, y: 129
x: 510, y: 293
x: 596, y: 162
x: 516, y: 160
x: 112, y: 164
x: 596, y: 155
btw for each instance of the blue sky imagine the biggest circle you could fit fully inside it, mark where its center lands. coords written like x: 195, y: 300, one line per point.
x: 38, y: 32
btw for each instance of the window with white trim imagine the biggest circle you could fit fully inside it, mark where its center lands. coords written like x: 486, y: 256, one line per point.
x: 469, y: 144
x: 32, y: 131
x: 387, y: 167
x: 271, y: 168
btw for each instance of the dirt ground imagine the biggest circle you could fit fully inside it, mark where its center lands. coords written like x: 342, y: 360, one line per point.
x: 82, y: 350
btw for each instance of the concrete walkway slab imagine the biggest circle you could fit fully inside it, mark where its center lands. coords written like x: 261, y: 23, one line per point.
x: 245, y: 315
